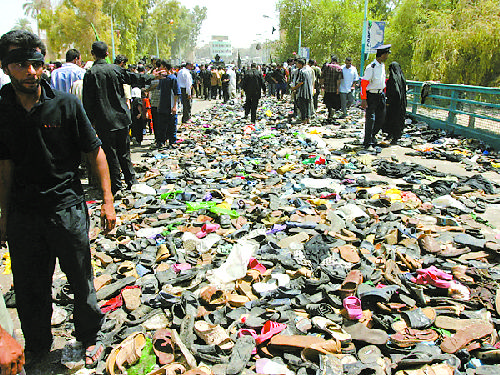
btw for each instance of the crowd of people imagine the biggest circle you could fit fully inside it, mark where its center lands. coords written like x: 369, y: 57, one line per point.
x: 51, y: 116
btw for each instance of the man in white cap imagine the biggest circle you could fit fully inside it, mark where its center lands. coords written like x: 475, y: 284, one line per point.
x: 373, y: 96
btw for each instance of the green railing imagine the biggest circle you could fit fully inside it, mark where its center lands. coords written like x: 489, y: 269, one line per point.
x: 471, y: 111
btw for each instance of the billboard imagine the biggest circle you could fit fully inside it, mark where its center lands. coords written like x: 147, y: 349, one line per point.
x: 374, y: 35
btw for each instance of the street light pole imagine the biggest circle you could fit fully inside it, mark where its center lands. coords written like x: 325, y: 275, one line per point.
x: 113, y: 31
x: 300, y: 31
x: 112, y: 36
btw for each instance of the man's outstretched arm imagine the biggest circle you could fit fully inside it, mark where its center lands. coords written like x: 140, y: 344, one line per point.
x: 99, y: 165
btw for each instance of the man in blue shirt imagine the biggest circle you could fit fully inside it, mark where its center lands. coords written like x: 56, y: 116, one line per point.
x: 62, y: 79
x: 349, y: 78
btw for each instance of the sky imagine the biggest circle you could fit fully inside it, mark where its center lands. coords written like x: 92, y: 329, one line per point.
x: 242, y: 21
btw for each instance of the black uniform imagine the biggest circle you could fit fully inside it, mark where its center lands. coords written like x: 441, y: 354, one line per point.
x: 106, y: 106
x: 252, y: 83
x: 48, y: 217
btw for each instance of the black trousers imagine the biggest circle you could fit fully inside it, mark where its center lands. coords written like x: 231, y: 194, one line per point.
x: 116, y: 146
x: 206, y: 91
x: 250, y: 106
x: 36, y: 239
x: 186, y: 106
x: 168, y: 128
x: 137, y: 129
x: 375, y: 117
x: 225, y: 93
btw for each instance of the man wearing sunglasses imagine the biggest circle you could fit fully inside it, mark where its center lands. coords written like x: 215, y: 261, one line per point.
x: 43, y: 211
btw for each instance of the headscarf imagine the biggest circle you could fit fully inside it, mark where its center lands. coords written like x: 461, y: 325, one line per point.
x: 396, y: 85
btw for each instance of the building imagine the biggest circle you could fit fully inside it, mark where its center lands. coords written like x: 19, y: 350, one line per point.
x: 220, y: 45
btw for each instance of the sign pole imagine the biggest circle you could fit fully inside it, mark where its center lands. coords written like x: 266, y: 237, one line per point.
x: 363, y: 41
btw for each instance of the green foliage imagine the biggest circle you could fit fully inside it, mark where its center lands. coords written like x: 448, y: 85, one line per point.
x: 449, y: 41
x: 328, y: 27
x: 69, y: 26
x: 452, y: 41
x: 147, y: 361
x: 23, y: 24
x: 137, y: 25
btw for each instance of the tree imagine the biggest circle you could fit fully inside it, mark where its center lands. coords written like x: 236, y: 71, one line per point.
x: 33, y: 8
x: 23, y: 24
x: 328, y: 27
x: 127, y: 16
x: 449, y: 41
x: 70, y: 26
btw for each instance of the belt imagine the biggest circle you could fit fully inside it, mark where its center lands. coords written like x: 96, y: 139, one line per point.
x: 376, y: 91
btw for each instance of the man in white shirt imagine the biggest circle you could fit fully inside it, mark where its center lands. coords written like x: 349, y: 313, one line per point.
x: 373, y: 96
x: 349, y: 78
x: 185, y: 81
x: 62, y: 79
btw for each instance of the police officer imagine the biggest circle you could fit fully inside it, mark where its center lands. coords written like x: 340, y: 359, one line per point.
x: 373, y: 96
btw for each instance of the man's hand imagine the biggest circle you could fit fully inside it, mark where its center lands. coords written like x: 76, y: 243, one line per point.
x: 364, y: 103
x: 3, y: 230
x: 174, y: 110
x: 11, y: 355
x: 108, y: 217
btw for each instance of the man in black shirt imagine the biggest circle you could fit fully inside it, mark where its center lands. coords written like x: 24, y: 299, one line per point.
x: 205, y: 76
x: 43, y: 212
x: 252, y: 83
x: 106, y: 106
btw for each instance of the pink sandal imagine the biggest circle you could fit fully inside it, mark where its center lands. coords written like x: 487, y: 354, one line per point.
x: 269, y: 330
x: 255, y: 265
x: 352, y: 305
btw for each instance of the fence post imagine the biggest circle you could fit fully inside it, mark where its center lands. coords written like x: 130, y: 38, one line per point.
x: 452, y: 116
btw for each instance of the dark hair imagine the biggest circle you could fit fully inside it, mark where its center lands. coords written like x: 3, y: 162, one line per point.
x: 141, y: 69
x: 166, y: 65
x: 99, y: 49
x: 380, y: 52
x: 120, y: 59
x: 253, y: 65
x: 348, y: 59
x: 334, y: 58
x: 72, y: 54
x: 301, y: 61
x: 58, y: 64
x: 22, y: 39
x: 312, y: 62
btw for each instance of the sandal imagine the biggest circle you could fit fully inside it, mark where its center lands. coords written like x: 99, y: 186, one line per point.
x: 163, y: 346
x: 128, y: 352
x: 353, y: 307
x: 90, y: 361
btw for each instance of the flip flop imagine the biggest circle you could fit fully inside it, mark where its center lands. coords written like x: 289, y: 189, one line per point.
x: 128, y: 352
x: 269, y: 330
x: 89, y: 354
x: 163, y: 346
x: 353, y: 307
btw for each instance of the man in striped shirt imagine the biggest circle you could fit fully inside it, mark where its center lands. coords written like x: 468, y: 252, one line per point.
x: 304, y: 86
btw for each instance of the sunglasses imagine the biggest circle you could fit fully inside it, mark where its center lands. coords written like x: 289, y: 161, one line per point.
x: 26, y: 64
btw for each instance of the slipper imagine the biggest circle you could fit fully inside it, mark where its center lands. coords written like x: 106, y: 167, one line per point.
x: 332, y: 328
x: 170, y: 369
x: 327, y: 347
x: 294, y: 342
x: 352, y: 281
x: 255, y: 265
x: 269, y: 330
x: 128, y: 352
x: 90, y: 362
x: 353, y: 307
x: 213, y: 334
x: 163, y: 346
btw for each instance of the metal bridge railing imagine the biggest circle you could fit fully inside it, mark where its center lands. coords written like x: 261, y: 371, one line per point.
x: 472, y: 111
